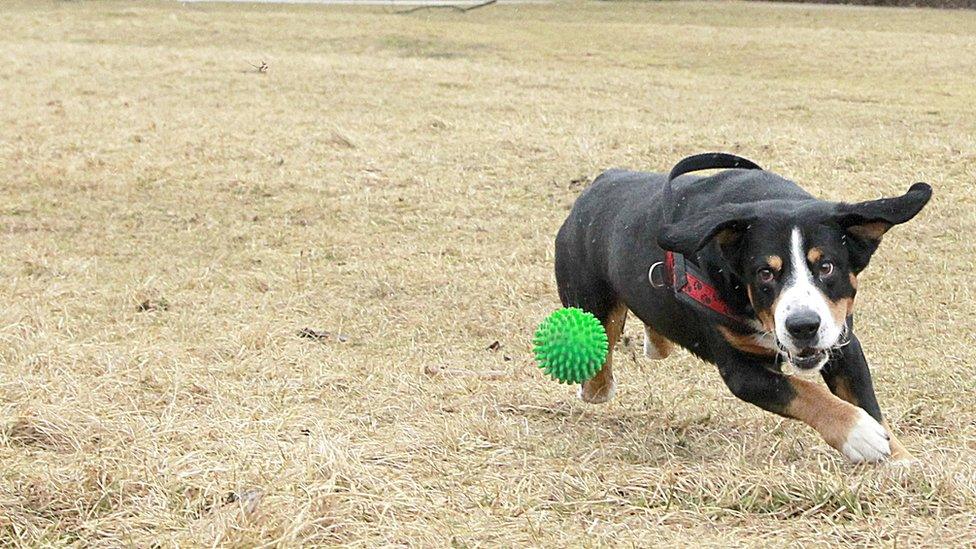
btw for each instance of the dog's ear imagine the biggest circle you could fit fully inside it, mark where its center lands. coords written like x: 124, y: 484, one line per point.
x: 725, y: 224
x: 866, y: 222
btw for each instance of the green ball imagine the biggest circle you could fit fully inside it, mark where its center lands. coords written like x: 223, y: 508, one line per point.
x: 571, y: 345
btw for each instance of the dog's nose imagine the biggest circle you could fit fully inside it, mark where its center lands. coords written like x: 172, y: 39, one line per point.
x: 803, y: 325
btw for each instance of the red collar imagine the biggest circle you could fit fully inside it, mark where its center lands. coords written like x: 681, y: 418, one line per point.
x: 694, y: 287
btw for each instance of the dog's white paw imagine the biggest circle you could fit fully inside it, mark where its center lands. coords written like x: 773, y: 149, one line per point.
x: 599, y: 397
x: 867, y: 441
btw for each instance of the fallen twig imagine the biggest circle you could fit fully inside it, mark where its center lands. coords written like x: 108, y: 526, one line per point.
x: 309, y: 333
x: 433, y: 370
x: 454, y: 7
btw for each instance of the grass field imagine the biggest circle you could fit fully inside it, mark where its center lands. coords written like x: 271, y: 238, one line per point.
x: 171, y: 219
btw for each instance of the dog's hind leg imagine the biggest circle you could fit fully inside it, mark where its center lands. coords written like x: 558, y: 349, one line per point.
x: 580, y: 287
x: 656, y: 346
x: 601, y: 388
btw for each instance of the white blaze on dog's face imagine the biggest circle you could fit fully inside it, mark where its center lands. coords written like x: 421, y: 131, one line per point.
x: 805, y: 325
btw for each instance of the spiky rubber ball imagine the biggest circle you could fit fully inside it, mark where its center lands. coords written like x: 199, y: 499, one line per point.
x: 570, y: 345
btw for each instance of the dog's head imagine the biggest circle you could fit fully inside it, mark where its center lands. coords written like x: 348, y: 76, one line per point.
x: 798, y: 260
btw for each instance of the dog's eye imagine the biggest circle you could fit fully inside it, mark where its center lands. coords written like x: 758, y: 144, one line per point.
x: 766, y: 275
x: 826, y: 269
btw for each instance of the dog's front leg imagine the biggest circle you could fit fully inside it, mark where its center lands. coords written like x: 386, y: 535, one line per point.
x: 843, y: 425
x: 848, y: 376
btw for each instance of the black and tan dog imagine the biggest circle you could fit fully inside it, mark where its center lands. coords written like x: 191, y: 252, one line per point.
x: 745, y: 270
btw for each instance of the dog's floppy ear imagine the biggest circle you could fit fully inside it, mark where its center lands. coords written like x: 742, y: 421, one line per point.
x: 866, y: 222
x: 691, y: 233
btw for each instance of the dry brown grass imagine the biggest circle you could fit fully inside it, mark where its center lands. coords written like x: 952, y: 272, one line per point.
x: 170, y: 220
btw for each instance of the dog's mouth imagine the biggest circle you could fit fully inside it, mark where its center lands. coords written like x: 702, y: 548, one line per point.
x: 808, y: 358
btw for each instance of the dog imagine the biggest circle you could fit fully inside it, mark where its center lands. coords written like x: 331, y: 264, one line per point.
x: 745, y: 270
